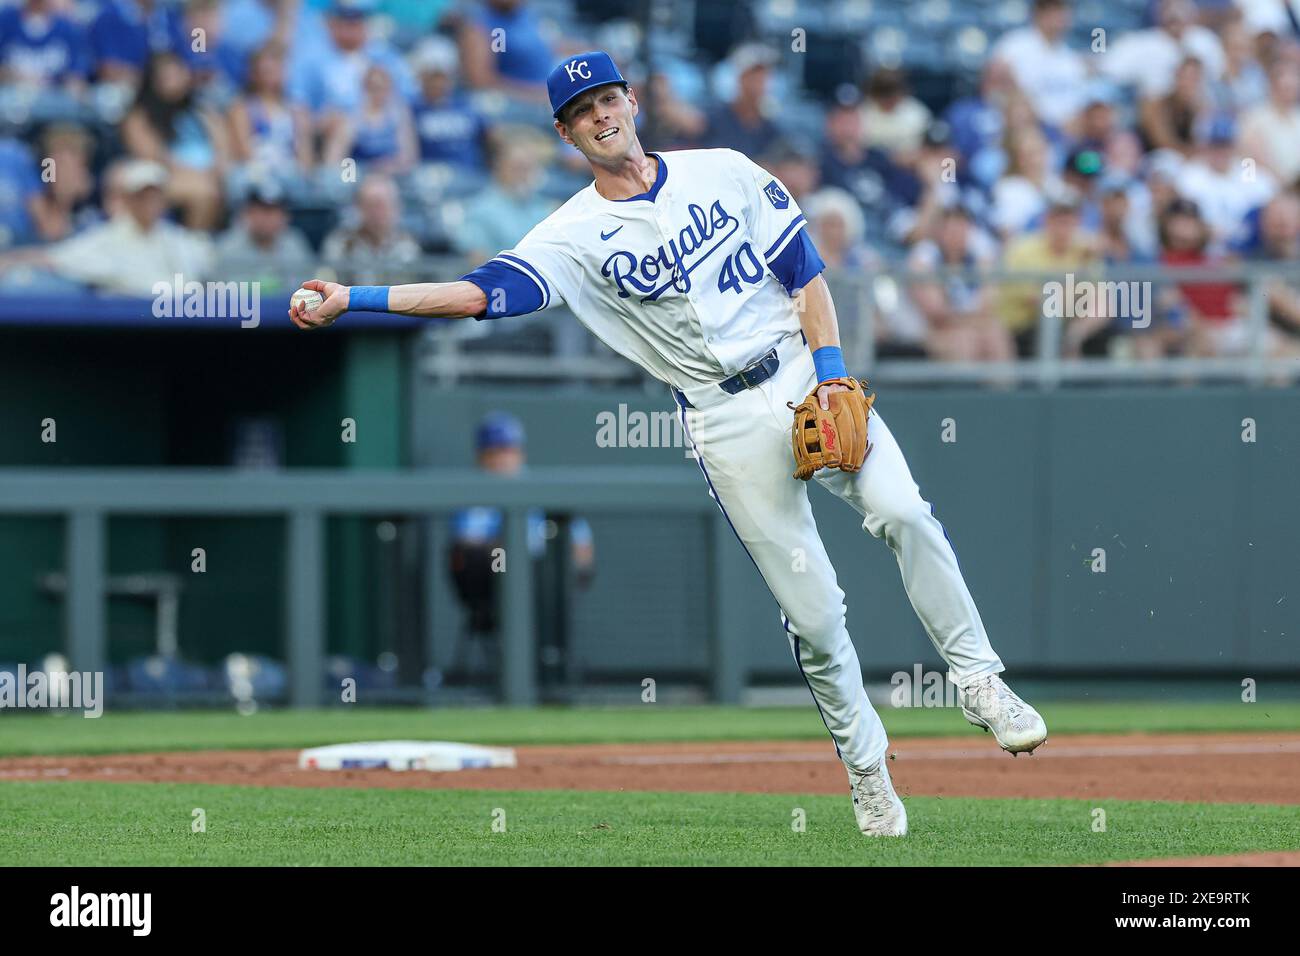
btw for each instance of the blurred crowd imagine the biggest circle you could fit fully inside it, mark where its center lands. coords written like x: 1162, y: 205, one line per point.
x: 271, y: 139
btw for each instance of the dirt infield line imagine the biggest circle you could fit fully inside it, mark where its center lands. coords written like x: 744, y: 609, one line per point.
x: 1224, y: 768
x: 1056, y: 752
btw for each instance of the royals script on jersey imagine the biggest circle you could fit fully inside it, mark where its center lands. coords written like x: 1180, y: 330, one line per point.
x: 691, y: 280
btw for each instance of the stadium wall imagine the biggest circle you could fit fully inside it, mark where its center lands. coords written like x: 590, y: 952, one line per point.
x: 1198, y: 526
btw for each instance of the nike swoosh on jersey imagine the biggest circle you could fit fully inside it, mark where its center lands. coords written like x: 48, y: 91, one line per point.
x: 610, y: 235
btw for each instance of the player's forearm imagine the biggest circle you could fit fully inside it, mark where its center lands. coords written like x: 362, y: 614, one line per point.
x: 435, y: 300
x: 821, y: 329
x: 817, y: 314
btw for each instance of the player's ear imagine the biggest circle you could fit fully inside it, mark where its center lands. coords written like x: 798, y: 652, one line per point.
x: 563, y: 132
x: 631, y: 98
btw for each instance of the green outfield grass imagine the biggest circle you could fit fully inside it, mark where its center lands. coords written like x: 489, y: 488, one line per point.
x: 66, y: 823
x: 22, y: 733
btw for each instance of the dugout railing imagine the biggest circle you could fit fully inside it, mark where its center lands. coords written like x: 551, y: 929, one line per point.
x: 86, y: 498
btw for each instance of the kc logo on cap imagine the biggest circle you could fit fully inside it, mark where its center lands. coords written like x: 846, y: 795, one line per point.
x: 577, y: 75
x: 577, y: 68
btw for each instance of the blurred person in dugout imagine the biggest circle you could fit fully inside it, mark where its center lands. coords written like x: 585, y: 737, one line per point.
x: 558, y: 545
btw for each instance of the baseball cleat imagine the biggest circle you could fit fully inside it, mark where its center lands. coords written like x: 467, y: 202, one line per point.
x: 875, y: 804
x: 991, y: 704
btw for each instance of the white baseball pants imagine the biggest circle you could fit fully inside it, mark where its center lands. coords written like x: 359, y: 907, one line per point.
x: 742, y: 443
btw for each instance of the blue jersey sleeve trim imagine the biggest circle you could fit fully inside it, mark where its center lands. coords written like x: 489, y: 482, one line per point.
x: 776, y: 247
x: 523, y: 293
x: 798, y: 263
x: 532, y: 272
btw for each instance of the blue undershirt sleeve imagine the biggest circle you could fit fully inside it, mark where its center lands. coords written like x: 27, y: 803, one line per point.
x: 798, y: 263
x: 511, y: 288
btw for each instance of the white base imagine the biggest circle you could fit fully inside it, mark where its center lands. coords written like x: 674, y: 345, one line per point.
x: 435, y: 755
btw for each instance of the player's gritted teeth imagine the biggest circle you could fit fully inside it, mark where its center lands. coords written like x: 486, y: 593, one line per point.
x: 606, y: 134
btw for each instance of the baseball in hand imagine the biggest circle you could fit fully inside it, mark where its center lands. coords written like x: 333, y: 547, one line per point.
x: 310, y: 298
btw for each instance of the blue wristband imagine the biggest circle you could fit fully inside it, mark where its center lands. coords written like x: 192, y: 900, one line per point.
x: 368, y: 298
x: 829, y: 362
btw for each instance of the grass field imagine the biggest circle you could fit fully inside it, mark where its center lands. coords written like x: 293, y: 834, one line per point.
x: 84, y: 823
x: 150, y: 825
x: 209, y: 730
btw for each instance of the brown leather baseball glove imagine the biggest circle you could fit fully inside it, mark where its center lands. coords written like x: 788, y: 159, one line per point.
x: 834, y: 438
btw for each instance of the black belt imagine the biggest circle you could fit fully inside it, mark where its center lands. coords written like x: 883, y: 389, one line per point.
x: 754, y: 376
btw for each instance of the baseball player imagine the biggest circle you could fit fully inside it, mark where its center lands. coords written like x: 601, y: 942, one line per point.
x: 697, y: 266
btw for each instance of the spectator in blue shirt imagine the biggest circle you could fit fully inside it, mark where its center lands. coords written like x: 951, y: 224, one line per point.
x: 447, y: 126
x: 66, y: 203
x: 41, y: 47
x: 20, y: 184
x: 504, y: 212
x: 333, y: 81
x: 978, y: 125
x: 207, y: 50
x: 879, y: 185
x: 269, y: 136
x: 379, y: 134
x: 127, y: 32
x: 742, y: 124
x: 502, y: 47
x: 251, y: 24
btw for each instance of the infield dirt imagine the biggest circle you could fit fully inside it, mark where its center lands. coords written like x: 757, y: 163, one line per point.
x: 1219, y: 768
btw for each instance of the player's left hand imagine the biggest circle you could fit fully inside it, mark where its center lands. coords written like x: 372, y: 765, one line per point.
x: 824, y: 392
x: 830, y: 428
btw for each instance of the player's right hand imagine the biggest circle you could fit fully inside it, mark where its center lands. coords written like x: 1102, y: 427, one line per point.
x: 335, y: 304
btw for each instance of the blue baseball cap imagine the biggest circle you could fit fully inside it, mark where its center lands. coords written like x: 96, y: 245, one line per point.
x: 499, y: 430
x: 577, y: 75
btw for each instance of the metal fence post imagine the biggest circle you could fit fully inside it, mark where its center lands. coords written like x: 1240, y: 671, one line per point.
x: 1050, y: 329
x: 726, y: 665
x: 84, y: 556
x: 306, y: 607
x: 519, y: 636
x: 1257, y: 328
x: 866, y: 324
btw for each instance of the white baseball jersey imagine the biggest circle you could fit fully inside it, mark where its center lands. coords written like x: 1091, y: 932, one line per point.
x: 691, y: 280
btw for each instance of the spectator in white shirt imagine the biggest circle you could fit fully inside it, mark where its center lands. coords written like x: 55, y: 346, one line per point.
x: 1047, y: 71
x: 1019, y: 196
x: 1217, y: 181
x: 837, y: 225
x: 136, y: 249
x: 1148, y: 58
x: 1271, y: 131
x: 894, y: 119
